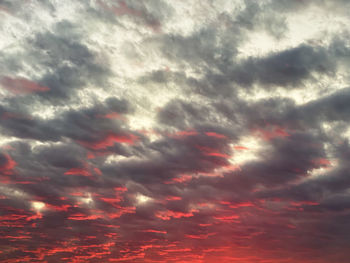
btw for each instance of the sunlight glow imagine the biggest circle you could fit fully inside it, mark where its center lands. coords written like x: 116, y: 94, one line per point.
x: 38, y: 206
x: 247, y: 149
x: 87, y: 200
x: 141, y: 199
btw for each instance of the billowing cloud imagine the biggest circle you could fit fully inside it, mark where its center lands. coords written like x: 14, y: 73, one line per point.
x: 162, y: 131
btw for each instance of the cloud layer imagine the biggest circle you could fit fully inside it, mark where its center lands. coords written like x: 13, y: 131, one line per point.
x: 174, y: 131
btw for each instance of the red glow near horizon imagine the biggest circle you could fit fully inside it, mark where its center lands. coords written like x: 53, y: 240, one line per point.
x: 208, y: 225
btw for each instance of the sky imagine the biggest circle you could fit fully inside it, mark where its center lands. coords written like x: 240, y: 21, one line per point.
x: 195, y: 131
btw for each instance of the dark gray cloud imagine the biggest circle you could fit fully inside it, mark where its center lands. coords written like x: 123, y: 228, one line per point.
x: 289, y: 67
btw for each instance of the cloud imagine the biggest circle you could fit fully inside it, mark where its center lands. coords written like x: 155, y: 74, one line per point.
x: 174, y: 132
x: 286, y: 68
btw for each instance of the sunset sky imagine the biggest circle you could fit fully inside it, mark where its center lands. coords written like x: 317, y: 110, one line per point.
x: 176, y: 131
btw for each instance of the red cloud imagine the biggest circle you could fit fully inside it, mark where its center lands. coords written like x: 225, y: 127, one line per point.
x: 59, y: 208
x: 216, y: 135
x: 34, y: 217
x: 124, y: 9
x: 154, y: 231
x: 216, y: 154
x: 238, y: 205
x: 180, y: 179
x: 111, y: 115
x: 182, y: 134
x: 78, y: 171
x: 240, y: 148
x: 90, y: 155
x: 97, y: 171
x: 121, y: 211
x: 109, y: 140
x: 82, y: 217
x: 322, y: 162
x: 301, y: 203
x: 21, y: 86
x: 7, y: 167
x: 271, y: 132
x: 127, y: 258
x: 227, y: 218
x: 212, y: 152
x: 200, y: 236
x: 112, y: 201
x: 173, y: 198
x: 168, y: 214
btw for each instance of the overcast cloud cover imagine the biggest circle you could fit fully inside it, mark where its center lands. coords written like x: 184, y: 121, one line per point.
x: 175, y: 131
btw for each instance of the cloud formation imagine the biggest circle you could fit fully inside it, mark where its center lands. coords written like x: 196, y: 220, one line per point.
x: 162, y: 131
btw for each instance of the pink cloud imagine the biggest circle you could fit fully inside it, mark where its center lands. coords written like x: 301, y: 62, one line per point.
x: 21, y: 85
